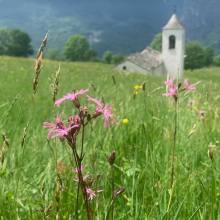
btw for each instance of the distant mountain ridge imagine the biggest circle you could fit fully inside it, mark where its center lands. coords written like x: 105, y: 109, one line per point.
x: 122, y: 26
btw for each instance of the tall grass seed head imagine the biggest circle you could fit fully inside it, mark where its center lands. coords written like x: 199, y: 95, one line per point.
x: 211, y: 149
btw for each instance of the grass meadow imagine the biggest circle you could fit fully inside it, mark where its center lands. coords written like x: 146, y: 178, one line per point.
x: 28, y: 166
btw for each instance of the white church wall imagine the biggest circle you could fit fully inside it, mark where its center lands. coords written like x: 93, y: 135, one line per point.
x: 128, y: 66
x: 174, y: 58
x: 160, y: 70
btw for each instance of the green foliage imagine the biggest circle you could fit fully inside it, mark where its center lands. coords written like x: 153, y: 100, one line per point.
x: 14, y: 42
x: 216, y: 61
x: 77, y: 48
x: 197, y: 56
x: 109, y: 58
x: 116, y: 59
x: 55, y: 54
x: 156, y: 43
x: 209, y: 56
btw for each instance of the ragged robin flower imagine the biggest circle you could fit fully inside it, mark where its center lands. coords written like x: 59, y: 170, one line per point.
x: 102, y: 109
x: 173, y: 89
x: 71, y: 96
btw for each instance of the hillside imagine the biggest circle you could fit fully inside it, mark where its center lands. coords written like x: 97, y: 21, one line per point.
x: 119, y: 26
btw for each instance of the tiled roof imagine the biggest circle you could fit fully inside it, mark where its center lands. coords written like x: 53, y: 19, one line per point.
x: 148, y: 59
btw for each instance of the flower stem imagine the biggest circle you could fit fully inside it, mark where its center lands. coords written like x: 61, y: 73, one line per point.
x: 85, y: 197
x: 81, y: 184
x: 113, y: 189
x: 79, y: 167
x: 174, y: 144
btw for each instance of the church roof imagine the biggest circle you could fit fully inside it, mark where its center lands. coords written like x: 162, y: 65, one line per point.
x: 148, y: 59
x: 174, y: 23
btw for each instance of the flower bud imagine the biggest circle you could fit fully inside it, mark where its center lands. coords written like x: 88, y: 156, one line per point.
x: 111, y: 158
x: 118, y: 192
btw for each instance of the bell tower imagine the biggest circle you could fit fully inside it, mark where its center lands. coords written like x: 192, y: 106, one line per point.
x: 173, y: 47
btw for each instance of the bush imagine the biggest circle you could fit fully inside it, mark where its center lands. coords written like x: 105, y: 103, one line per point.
x: 77, y: 48
x: 116, y: 59
x: 55, y: 54
x: 209, y: 56
x: 15, y: 43
x: 107, y: 57
x: 197, y: 56
x: 216, y: 61
x: 156, y: 43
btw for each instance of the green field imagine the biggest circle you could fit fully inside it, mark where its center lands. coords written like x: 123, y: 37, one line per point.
x: 143, y: 146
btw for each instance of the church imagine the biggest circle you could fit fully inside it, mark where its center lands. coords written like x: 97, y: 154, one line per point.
x: 169, y: 62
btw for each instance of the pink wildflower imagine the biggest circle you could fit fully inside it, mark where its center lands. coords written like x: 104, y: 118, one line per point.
x: 169, y: 83
x: 188, y: 87
x: 58, y: 129
x: 71, y: 96
x: 171, y: 88
x: 102, y: 109
x: 90, y: 193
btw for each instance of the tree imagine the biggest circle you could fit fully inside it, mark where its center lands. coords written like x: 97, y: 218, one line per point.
x: 209, y: 56
x: 195, y: 56
x: 156, y: 43
x: 107, y: 57
x: 116, y: 59
x: 77, y: 48
x: 14, y: 42
x: 55, y: 54
x: 216, y: 60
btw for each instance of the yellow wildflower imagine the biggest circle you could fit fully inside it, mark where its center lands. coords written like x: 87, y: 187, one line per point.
x: 125, y: 121
x: 138, y: 87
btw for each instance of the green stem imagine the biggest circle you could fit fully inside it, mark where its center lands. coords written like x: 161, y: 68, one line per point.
x: 174, y: 144
x: 113, y: 189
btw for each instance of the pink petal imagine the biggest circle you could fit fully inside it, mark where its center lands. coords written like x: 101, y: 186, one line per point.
x: 71, y: 96
x: 95, y: 101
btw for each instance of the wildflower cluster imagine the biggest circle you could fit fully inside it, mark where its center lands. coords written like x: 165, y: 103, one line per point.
x: 173, y: 89
x: 68, y: 131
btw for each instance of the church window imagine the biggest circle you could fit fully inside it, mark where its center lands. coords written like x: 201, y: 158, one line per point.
x: 172, y: 42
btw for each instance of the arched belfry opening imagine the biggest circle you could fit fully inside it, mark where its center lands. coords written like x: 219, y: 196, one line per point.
x: 172, y: 42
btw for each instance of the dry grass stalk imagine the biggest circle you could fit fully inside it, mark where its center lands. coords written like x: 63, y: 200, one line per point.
x: 38, y: 63
x: 24, y: 135
x: 5, y: 140
x: 4, y: 148
x: 55, y: 84
x: 42, y: 46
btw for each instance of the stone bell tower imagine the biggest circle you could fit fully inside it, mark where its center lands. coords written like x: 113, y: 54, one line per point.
x: 173, y: 47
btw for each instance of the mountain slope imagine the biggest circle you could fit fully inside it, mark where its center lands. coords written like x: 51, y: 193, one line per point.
x: 122, y: 26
